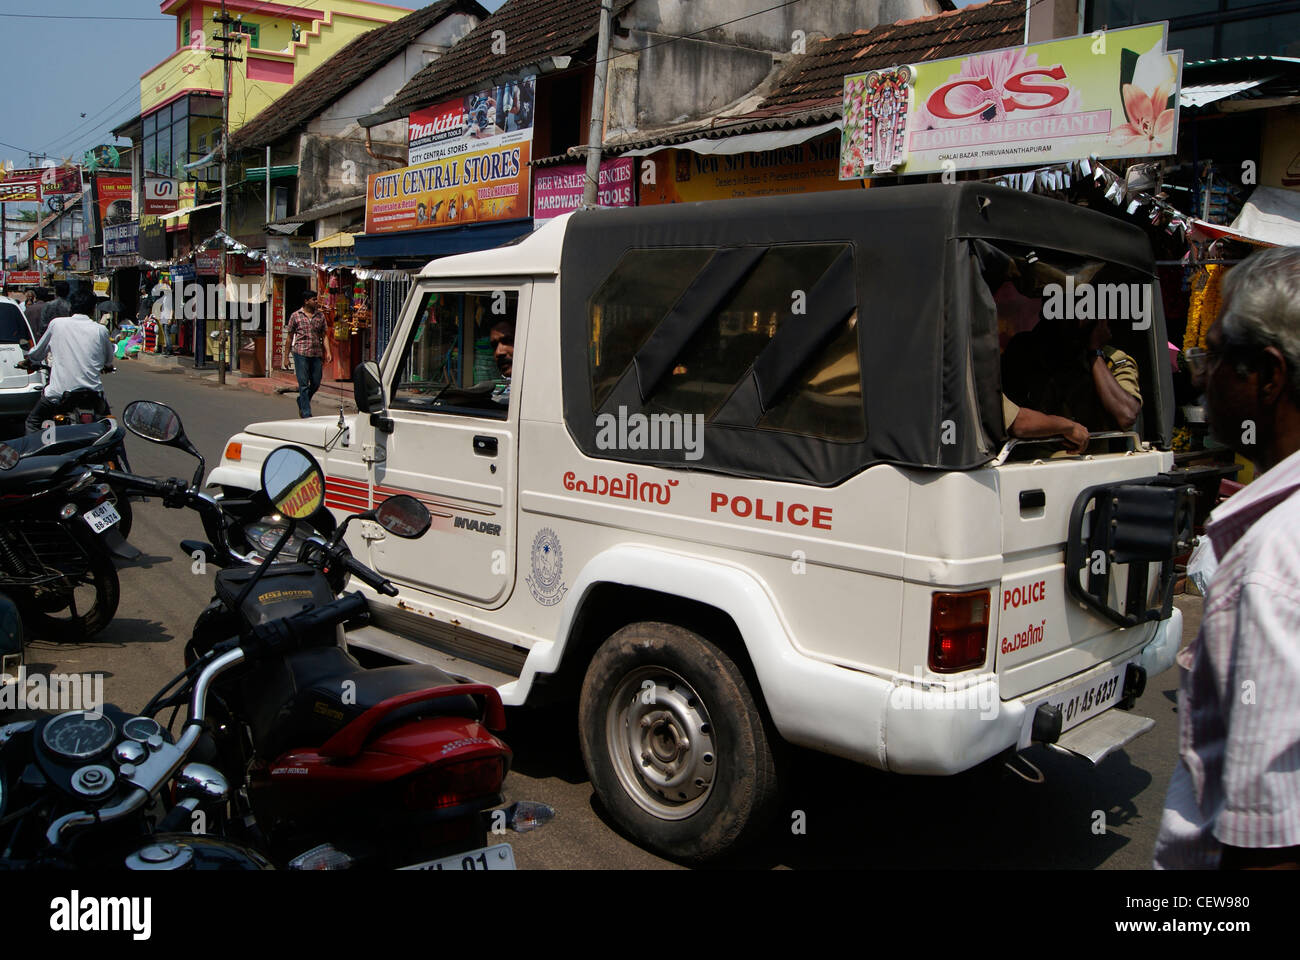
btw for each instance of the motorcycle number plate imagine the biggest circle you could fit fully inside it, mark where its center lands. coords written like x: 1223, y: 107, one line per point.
x: 102, y: 517
x: 498, y: 857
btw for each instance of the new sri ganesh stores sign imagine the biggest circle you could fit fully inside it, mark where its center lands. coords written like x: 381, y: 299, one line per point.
x: 1113, y: 94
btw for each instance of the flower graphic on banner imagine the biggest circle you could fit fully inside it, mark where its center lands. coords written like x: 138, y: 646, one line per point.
x: 997, y: 67
x: 1151, y: 120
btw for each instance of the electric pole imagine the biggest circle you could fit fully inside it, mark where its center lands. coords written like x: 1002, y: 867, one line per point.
x: 225, y: 38
x: 596, y: 132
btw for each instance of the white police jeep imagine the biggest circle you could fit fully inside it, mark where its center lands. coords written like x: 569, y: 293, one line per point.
x: 736, y: 475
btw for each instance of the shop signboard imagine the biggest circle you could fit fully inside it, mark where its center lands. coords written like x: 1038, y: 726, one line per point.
x: 34, y: 184
x: 188, y: 190
x: 102, y: 285
x: 559, y: 190
x: 153, y: 238
x: 207, y: 262
x: 481, y: 186
x: 23, y: 278
x: 486, y: 119
x: 113, y: 197
x: 1113, y: 94
x: 121, y: 240
x: 682, y: 176
x: 161, y: 195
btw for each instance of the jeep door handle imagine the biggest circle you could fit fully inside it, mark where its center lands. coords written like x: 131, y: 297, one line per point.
x: 485, y: 446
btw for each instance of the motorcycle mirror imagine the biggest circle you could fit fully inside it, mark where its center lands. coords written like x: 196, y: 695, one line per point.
x: 153, y: 421
x: 404, y: 516
x: 9, y: 457
x: 294, y: 482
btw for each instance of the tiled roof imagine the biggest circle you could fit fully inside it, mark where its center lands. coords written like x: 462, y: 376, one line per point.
x: 533, y: 30
x: 810, y: 89
x: 344, y: 71
x: 818, y: 76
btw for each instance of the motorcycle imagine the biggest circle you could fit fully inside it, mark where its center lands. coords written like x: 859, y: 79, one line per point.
x: 53, y: 517
x: 76, y: 425
x: 101, y: 789
x: 340, y: 766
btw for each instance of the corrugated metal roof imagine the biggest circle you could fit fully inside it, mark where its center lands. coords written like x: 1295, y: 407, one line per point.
x: 1200, y: 94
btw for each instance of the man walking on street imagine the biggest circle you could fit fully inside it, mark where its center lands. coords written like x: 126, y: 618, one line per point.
x: 1234, y: 798
x: 311, y: 350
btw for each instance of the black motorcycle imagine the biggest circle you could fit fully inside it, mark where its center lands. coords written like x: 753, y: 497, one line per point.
x: 54, y: 559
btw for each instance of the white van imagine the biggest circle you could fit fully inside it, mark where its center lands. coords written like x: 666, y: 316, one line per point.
x: 748, y: 483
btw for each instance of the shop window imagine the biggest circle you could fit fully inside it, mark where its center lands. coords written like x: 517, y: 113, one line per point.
x: 459, y: 355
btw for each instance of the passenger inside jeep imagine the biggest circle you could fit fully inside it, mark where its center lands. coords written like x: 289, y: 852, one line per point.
x: 460, y: 355
x: 1063, y: 373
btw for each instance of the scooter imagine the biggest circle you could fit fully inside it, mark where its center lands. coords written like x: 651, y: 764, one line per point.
x: 341, y: 766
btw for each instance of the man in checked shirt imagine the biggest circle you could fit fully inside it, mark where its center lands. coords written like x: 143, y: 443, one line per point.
x: 311, y: 350
x: 1234, y: 799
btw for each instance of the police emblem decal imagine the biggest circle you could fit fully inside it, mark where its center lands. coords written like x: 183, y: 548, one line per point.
x: 546, y: 583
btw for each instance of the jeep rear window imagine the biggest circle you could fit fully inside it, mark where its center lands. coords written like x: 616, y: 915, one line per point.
x: 807, y: 381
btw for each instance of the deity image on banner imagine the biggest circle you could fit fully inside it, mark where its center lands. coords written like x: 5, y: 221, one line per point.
x: 887, y: 104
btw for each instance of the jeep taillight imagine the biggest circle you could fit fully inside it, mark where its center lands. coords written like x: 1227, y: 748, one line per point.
x: 959, y: 630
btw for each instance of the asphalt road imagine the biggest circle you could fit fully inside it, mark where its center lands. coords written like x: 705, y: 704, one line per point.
x: 853, y: 817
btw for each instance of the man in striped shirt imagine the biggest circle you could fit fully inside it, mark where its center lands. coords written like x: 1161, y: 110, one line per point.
x: 1234, y: 799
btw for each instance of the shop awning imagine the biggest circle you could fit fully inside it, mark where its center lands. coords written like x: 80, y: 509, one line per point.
x: 277, y: 173
x: 334, y: 241
x: 186, y: 211
x: 1201, y: 94
x: 440, y: 241
x: 745, y: 142
x: 1271, y: 217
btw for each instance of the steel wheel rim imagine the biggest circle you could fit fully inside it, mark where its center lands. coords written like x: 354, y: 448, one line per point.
x: 661, y: 742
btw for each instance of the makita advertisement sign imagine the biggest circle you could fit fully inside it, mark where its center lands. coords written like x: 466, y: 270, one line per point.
x: 486, y: 119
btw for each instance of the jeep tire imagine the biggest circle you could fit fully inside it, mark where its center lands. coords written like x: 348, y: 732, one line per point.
x: 675, y: 745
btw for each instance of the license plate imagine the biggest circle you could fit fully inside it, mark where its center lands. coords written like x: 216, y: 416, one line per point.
x: 499, y: 857
x: 102, y: 517
x: 1082, y: 701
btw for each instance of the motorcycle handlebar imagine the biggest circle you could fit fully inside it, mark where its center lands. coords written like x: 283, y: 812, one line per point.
x: 367, y: 576
x: 287, y: 634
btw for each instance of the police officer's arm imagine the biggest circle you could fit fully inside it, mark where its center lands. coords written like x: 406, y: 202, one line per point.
x: 1026, y: 424
x: 1122, y: 400
x: 1119, y: 402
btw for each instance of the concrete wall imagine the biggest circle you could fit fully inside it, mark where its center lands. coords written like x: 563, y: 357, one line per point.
x: 653, y: 83
x: 1053, y: 19
x: 330, y: 168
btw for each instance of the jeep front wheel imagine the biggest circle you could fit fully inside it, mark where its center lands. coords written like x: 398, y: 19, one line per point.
x: 675, y: 745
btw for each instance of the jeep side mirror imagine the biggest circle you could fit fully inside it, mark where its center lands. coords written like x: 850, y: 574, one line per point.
x: 367, y: 388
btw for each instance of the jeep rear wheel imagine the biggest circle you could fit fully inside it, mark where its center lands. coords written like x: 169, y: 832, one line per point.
x: 675, y: 745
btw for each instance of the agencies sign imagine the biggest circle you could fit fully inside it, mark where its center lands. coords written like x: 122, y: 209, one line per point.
x: 1113, y: 94
x: 121, y: 240
x: 559, y: 190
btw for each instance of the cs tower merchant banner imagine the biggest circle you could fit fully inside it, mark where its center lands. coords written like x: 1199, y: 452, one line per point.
x: 1113, y: 94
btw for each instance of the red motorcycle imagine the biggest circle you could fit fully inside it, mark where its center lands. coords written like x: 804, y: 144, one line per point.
x: 341, y: 766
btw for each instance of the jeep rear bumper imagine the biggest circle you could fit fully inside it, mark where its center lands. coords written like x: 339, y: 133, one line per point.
x: 945, y: 731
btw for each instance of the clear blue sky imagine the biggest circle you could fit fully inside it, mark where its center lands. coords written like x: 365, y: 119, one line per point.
x: 55, y: 70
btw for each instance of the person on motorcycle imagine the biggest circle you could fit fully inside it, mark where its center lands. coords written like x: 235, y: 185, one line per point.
x: 80, y: 351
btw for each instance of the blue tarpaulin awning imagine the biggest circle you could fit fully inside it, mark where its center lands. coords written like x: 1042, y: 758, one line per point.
x: 440, y: 241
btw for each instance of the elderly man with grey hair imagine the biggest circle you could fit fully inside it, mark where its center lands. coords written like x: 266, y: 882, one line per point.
x: 1234, y: 799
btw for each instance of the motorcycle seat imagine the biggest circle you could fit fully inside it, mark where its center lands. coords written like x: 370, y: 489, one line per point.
x: 306, y: 698
x: 66, y: 439
x: 31, y: 472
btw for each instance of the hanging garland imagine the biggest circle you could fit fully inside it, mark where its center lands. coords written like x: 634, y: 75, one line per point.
x: 1207, y: 288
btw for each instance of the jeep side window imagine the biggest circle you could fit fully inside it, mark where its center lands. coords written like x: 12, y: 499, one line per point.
x: 459, y: 354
